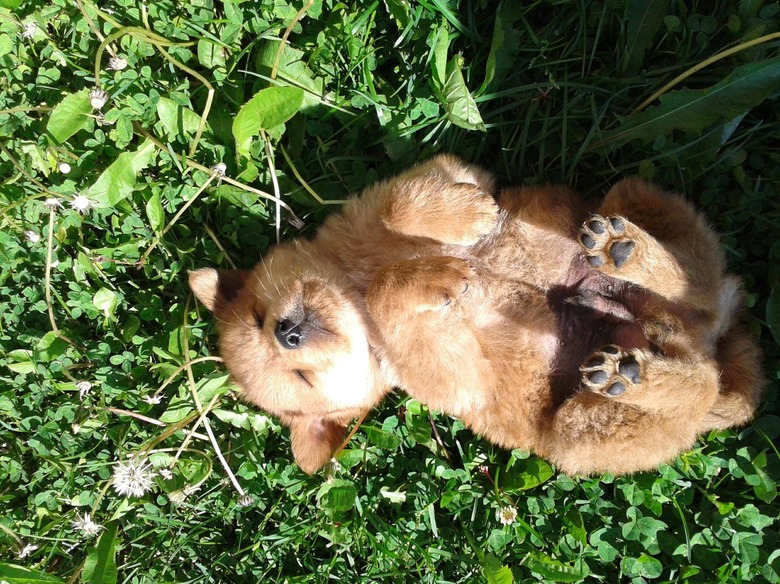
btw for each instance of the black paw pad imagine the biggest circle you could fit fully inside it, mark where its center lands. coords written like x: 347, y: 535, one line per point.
x: 616, y: 388
x: 611, y: 350
x: 595, y: 361
x: 588, y: 241
x: 595, y: 261
x: 629, y: 368
x: 620, y: 251
x: 617, y: 224
x: 597, y: 226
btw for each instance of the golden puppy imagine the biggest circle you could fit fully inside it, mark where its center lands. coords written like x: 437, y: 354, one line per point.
x: 604, y: 342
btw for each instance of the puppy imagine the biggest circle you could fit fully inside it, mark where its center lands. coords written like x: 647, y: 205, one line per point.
x: 606, y: 343
x: 294, y: 331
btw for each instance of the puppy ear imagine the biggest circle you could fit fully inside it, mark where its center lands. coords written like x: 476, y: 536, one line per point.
x: 215, y: 287
x: 314, y: 441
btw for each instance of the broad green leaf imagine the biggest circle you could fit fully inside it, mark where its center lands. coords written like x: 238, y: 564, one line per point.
x: 210, y: 54
x: 293, y: 69
x: 106, y: 301
x: 50, y: 347
x: 643, y: 19
x: 574, y: 523
x: 526, y: 474
x: 211, y: 385
x: 155, y: 212
x: 644, y: 566
x: 337, y: 495
x: 11, y: 4
x: 14, y: 574
x: 6, y: 44
x: 458, y: 103
x: 246, y: 420
x: 268, y: 108
x: 118, y: 180
x: 773, y: 313
x: 382, y: 438
x: 495, y: 572
x: 23, y: 362
x: 505, y: 45
x: 100, y: 565
x: 70, y: 115
x: 441, y: 44
x: 556, y: 570
x: 693, y: 110
x: 177, y: 120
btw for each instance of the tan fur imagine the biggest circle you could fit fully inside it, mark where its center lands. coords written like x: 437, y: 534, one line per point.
x: 494, y: 313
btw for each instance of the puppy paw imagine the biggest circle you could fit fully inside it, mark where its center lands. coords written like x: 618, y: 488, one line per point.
x: 606, y: 242
x: 473, y: 214
x: 441, y: 283
x: 611, y: 371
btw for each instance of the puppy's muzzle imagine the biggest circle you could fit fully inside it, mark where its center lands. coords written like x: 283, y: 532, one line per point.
x: 289, y: 334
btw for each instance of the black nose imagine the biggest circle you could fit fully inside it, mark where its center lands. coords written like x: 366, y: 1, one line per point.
x: 289, y: 334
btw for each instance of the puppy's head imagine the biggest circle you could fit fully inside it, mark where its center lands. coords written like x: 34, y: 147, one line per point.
x: 294, y: 335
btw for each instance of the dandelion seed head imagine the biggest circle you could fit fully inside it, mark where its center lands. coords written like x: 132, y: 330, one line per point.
x: 86, y: 525
x: 153, y: 400
x: 117, y: 63
x: 52, y: 203
x: 26, y: 551
x: 507, y: 515
x: 32, y: 237
x: 75, y: 428
x: 133, y: 477
x: 29, y: 30
x: 97, y: 98
x: 81, y: 203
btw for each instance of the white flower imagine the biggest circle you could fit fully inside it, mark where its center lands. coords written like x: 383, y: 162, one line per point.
x: 98, y: 98
x: 52, y: 203
x: 219, y: 169
x: 133, y: 477
x: 26, y: 551
x: 117, y: 63
x: 166, y: 474
x: 75, y: 428
x: 81, y: 203
x: 83, y: 387
x: 153, y: 400
x: 507, y: 515
x: 63, y: 167
x: 32, y: 237
x: 29, y: 30
x: 85, y: 525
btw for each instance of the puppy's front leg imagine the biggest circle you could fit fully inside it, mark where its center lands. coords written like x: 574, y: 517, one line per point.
x: 416, y: 306
x: 443, y: 199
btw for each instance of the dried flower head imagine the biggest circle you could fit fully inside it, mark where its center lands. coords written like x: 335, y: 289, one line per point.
x: 52, y: 203
x: 507, y: 515
x: 63, y: 167
x: 26, y: 551
x: 32, y: 237
x: 133, y: 477
x: 29, y: 30
x: 117, y: 63
x: 98, y: 98
x: 245, y: 501
x: 83, y: 387
x: 85, y: 525
x: 153, y: 400
x: 81, y: 203
x: 219, y: 169
x: 166, y: 473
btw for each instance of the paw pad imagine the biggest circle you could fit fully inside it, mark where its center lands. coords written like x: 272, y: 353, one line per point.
x: 605, y: 241
x: 611, y: 371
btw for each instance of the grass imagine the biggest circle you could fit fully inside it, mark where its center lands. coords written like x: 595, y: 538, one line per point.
x: 102, y: 347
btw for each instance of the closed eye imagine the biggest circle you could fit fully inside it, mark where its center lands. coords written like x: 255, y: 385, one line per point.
x: 302, y: 377
x: 259, y: 320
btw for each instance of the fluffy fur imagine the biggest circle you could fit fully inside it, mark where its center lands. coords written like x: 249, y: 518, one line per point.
x: 603, y: 339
